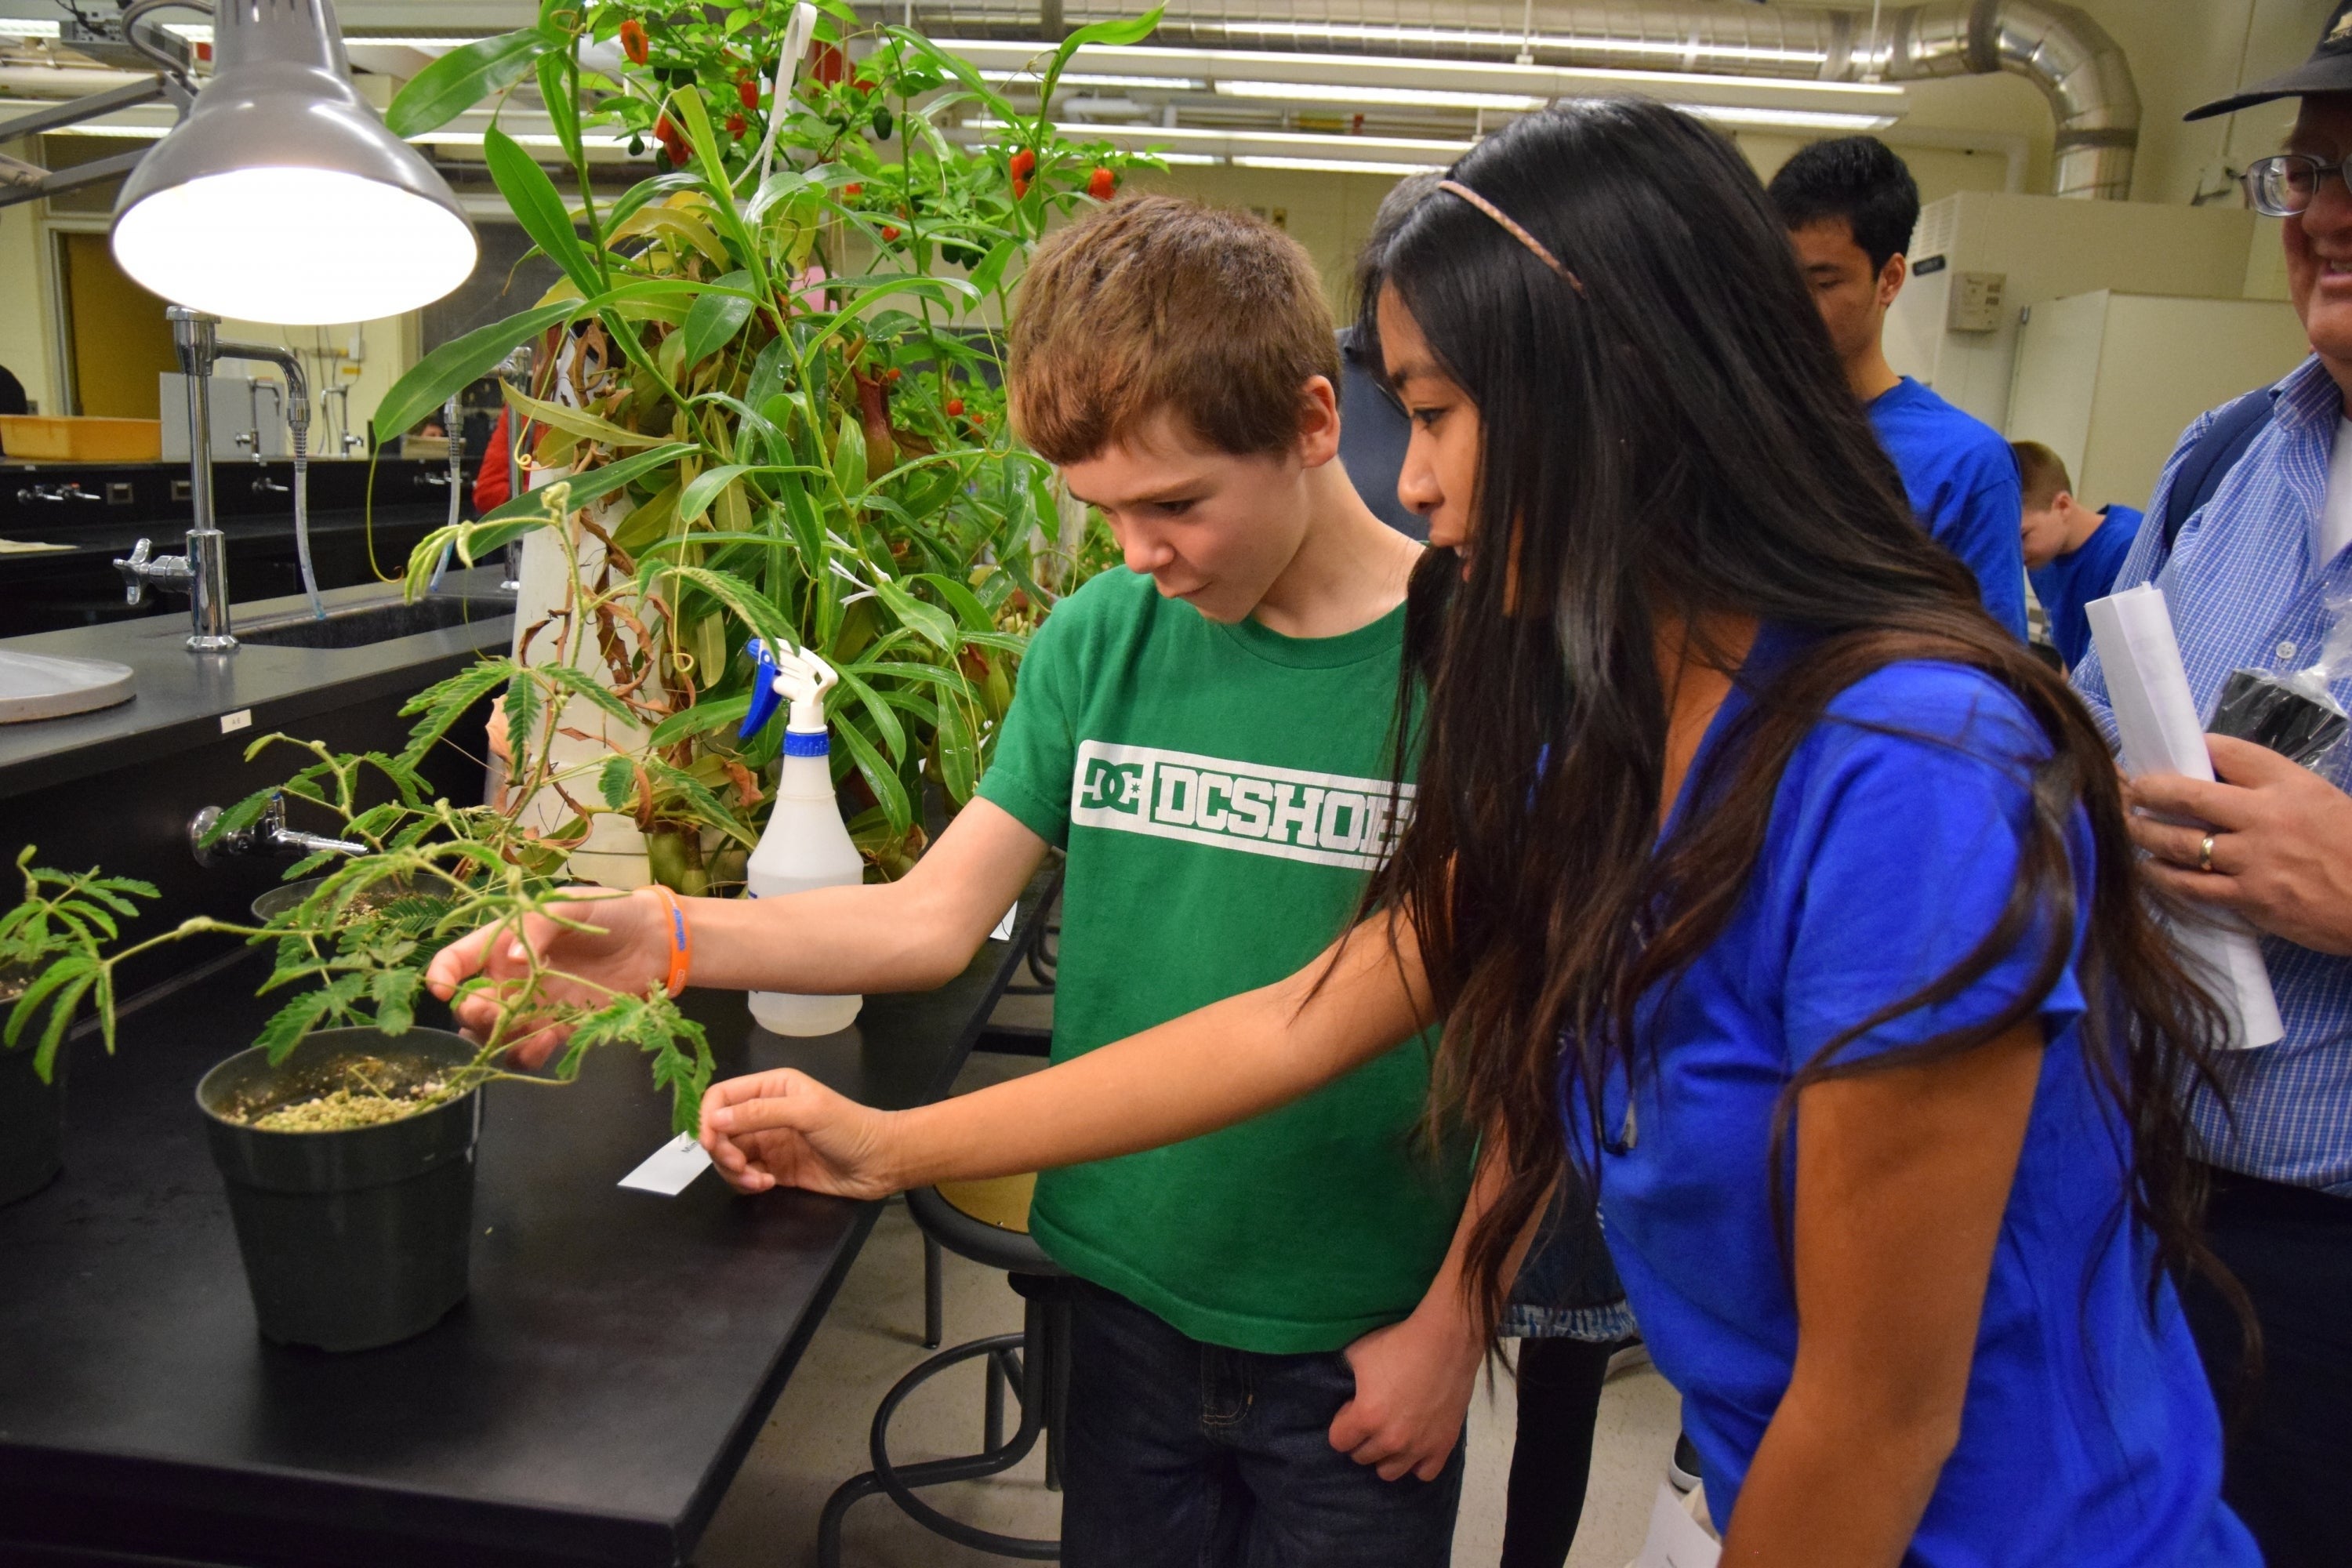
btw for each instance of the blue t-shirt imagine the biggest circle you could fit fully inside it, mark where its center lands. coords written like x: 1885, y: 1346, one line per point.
x: 2086, y: 573
x: 1963, y: 483
x: 2089, y: 1435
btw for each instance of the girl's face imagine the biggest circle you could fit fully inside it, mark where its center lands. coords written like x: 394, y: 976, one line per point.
x: 1440, y: 478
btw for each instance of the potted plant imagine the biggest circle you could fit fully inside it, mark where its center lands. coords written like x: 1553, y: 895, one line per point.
x: 51, y: 956
x: 346, y: 1132
x: 794, y: 427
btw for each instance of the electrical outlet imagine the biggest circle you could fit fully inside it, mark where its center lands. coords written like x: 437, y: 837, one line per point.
x: 120, y: 493
x: 181, y: 495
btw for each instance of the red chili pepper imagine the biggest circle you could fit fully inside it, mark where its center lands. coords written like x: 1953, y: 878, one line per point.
x: 980, y: 416
x: 889, y: 231
x: 893, y: 373
x: 633, y: 40
x: 954, y: 406
x: 673, y: 140
x: 827, y: 65
x: 1020, y: 187
x: 735, y: 125
x: 1101, y: 183
x: 1024, y: 164
x: 749, y: 91
x: 853, y: 189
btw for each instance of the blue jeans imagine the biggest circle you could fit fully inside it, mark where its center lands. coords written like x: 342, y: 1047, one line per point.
x: 1184, y: 1455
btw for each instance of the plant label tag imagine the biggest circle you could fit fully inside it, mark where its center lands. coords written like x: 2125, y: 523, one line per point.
x: 671, y: 1168
x: 1003, y: 931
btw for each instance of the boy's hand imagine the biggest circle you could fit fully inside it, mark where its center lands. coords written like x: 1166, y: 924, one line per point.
x: 627, y: 950
x: 1413, y: 1381
x: 784, y: 1129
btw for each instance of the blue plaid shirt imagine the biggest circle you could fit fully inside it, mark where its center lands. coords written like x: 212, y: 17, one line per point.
x: 2245, y: 593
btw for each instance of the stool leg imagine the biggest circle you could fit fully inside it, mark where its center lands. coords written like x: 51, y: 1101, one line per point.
x: 992, y: 1429
x: 899, y: 1481
x: 935, y: 1312
x: 1056, y: 1350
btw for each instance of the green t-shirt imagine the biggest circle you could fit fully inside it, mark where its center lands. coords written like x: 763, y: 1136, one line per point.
x: 1221, y: 791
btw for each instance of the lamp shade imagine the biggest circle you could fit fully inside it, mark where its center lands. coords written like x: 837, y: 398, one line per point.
x: 282, y: 197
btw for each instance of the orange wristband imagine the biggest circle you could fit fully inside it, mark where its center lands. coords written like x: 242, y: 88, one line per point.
x: 681, y: 940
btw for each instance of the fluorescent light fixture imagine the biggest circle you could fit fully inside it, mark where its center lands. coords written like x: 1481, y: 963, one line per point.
x: 1333, y: 165
x: 1401, y: 97
x: 1374, y: 154
x: 1756, y: 119
x: 1638, y: 49
x: 1030, y: 81
x: 281, y: 197
x: 1879, y: 99
x: 120, y: 131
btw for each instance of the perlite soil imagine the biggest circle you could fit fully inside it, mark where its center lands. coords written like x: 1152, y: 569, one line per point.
x: 367, y: 1102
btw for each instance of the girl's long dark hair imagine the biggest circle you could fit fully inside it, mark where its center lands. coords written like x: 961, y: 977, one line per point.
x: 1670, y: 443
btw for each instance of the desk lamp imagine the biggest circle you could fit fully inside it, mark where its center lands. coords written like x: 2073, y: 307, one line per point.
x: 282, y: 197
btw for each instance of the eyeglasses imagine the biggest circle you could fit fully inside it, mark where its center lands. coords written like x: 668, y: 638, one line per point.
x: 2287, y: 184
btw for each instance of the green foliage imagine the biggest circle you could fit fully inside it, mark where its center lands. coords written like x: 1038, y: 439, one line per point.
x: 52, y: 954
x: 800, y: 429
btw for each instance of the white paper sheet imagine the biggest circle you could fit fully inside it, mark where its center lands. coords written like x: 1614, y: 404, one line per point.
x: 2156, y: 720
x: 670, y: 1169
x: 1676, y: 1539
x: 1003, y: 931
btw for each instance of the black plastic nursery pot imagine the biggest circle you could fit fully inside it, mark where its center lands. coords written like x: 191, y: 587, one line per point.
x: 357, y: 1237
x: 32, y: 1123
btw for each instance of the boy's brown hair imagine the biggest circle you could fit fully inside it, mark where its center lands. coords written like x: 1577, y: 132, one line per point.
x: 2041, y: 473
x: 1160, y: 304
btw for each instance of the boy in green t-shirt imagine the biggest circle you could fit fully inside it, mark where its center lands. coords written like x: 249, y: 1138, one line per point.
x: 1272, y: 1355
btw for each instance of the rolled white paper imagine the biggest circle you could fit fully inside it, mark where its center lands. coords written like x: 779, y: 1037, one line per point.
x: 2156, y: 720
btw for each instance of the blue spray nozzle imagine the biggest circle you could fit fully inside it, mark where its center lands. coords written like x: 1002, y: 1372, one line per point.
x: 765, y: 697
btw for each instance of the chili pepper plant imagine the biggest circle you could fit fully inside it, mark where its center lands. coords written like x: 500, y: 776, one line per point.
x: 780, y: 408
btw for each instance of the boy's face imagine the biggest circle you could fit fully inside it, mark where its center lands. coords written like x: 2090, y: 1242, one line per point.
x: 2045, y: 532
x: 1852, y: 295
x: 1209, y: 528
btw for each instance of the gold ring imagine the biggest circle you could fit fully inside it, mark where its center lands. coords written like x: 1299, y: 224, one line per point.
x: 2205, y: 855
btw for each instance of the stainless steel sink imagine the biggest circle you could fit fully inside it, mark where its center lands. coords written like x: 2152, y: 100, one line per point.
x: 357, y: 625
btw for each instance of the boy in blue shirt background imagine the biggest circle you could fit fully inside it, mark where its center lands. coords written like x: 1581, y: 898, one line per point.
x: 2072, y: 553
x: 1850, y: 206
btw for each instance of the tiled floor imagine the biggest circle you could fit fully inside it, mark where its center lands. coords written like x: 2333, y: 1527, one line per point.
x: 816, y: 1436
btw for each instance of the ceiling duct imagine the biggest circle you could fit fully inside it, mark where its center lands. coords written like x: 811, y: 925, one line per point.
x: 2079, y: 69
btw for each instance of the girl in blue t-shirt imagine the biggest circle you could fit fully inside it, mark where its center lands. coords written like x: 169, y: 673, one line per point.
x: 1818, y: 932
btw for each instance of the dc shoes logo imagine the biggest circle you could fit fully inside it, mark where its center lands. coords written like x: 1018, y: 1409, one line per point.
x: 1110, y: 786
x: 1292, y: 813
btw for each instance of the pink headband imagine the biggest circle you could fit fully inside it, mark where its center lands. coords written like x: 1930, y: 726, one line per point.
x: 1511, y: 226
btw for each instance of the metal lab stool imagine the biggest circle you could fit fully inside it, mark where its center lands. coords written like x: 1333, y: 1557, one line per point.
x: 987, y: 1222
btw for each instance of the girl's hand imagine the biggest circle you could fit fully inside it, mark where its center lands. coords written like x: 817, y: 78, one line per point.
x: 1413, y: 1382
x: 624, y: 950
x: 784, y: 1129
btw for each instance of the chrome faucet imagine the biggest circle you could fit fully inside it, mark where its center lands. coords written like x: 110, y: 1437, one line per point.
x: 203, y: 570
x: 68, y: 491
x: 269, y: 834
x: 250, y: 438
x: 346, y: 439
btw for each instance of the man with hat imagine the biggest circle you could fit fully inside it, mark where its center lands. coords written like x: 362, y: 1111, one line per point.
x: 2249, y: 535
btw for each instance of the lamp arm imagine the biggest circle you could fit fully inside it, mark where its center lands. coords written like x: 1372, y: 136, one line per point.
x: 137, y: 12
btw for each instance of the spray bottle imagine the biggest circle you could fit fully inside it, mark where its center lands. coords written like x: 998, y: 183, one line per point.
x: 805, y: 845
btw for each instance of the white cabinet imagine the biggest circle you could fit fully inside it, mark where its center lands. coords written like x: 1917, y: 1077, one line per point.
x: 2108, y: 380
